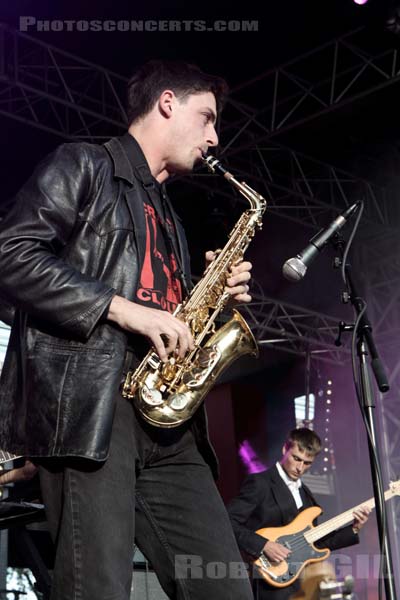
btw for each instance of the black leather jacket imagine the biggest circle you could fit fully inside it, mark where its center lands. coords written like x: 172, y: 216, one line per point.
x: 74, y: 239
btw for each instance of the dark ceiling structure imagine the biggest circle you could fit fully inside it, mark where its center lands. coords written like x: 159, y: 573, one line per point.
x: 278, y: 125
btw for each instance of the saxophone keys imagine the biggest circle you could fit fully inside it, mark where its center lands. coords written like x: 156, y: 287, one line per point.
x: 196, y: 325
x: 154, y: 361
x: 151, y: 396
x: 169, y: 370
x: 179, y: 401
x: 206, y: 360
x: 128, y: 386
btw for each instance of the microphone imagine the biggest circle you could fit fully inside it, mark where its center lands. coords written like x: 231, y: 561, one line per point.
x: 295, y: 268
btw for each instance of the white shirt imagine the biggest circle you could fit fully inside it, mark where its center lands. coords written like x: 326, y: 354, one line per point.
x: 293, y: 485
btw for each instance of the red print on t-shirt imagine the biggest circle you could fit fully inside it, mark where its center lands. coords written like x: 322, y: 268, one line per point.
x: 159, y: 287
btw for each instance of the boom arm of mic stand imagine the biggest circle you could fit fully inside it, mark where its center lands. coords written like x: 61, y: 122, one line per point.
x: 366, y: 330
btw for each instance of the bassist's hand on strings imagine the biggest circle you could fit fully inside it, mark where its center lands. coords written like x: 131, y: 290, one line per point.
x: 275, y: 552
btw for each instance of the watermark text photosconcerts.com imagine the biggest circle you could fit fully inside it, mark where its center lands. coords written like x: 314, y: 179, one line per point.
x: 28, y: 23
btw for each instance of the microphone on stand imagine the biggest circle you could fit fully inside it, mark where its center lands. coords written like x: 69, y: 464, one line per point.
x: 295, y: 268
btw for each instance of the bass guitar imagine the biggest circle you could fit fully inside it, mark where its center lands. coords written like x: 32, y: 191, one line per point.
x: 299, y: 537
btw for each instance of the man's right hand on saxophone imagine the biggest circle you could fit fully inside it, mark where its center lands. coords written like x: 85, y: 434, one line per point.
x: 237, y: 282
x: 167, y: 333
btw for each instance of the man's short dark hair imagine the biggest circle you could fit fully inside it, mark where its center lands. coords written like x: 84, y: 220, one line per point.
x: 306, y: 439
x: 155, y: 76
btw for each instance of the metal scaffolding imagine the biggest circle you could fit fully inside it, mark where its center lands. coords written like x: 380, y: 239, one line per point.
x: 56, y: 91
x: 294, y: 329
x: 315, y: 83
x: 339, y: 72
x: 302, y: 189
x: 60, y: 93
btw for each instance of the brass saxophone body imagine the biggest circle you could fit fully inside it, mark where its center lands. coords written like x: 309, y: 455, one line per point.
x: 168, y: 394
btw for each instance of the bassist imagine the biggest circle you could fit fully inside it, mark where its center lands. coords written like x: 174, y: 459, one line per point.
x: 273, y: 498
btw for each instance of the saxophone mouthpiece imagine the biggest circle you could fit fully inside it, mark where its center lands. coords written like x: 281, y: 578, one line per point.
x: 214, y: 165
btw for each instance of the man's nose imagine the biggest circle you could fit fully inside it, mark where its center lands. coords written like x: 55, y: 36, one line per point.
x: 212, y: 137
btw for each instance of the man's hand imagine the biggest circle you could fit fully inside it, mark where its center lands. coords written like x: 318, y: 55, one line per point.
x: 360, y: 518
x: 237, y: 282
x: 165, y: 332
x: 275, y: 552
x: 28, y: 471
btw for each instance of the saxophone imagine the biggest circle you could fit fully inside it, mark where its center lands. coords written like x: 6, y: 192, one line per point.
x: 168, y: 394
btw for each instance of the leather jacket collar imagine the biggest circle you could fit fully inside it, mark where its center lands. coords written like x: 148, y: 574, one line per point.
x: 130, y: 162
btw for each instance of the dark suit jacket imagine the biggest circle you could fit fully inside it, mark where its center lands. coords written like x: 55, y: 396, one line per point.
x: 265, y: 500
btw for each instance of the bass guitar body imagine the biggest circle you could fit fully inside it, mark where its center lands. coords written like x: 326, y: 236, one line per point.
x: 302, y: 552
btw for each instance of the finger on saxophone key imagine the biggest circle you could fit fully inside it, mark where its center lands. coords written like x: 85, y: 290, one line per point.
x: 165, y: 332
x: 237, y: 282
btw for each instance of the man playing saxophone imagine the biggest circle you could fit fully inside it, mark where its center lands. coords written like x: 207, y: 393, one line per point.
x: 90, y: 254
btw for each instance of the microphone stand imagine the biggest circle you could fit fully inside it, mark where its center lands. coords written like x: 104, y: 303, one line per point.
x: 366, y: 347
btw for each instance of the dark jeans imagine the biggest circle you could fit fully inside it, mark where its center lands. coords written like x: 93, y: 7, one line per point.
x: 180, y: 523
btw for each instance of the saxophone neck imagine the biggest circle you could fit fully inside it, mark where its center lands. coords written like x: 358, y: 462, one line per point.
x: 257, y: 202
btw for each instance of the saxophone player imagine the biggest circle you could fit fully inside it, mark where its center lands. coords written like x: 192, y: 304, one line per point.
x: 91, y: 255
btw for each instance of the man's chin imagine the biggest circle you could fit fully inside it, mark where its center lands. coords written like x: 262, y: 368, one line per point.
x: 183, y: 169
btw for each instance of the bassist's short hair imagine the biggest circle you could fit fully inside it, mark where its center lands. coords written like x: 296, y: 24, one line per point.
x: 306, y: 439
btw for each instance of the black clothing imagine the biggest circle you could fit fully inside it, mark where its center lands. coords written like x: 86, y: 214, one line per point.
x: 181, y: 524
x: 159, y: 283
x: 74, y: 238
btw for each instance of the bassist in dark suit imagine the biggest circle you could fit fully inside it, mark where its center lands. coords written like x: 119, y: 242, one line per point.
x: 274, y: 498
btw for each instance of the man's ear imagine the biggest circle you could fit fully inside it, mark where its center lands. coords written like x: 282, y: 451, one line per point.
x: 284, y: 449
x: 166, y: 102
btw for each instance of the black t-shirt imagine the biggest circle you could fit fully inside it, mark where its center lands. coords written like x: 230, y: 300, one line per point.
x: 159, y: 284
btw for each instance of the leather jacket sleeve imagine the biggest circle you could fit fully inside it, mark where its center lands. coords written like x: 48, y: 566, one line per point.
x: 33, y: 275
